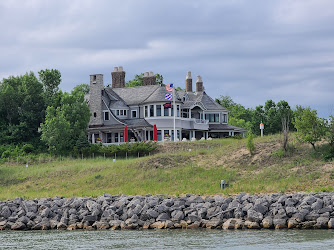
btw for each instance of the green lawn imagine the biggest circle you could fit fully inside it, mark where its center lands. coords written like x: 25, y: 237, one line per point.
x: 175, y: 173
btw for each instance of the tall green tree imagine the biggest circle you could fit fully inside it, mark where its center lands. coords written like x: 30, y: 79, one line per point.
x: 51, y: 80
x: 310, y: 128
x: 21, y: 108
x: 64, y: 124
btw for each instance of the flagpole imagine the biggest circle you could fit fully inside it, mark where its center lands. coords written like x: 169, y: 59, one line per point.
x: 174, y: 97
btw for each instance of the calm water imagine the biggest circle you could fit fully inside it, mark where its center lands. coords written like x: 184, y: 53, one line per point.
x: 173, y: 239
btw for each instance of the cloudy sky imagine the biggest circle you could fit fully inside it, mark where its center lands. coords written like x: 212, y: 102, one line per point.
x: 250, y: 50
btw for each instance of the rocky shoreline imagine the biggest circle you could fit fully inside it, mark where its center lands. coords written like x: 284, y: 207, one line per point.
x: 298, y: 210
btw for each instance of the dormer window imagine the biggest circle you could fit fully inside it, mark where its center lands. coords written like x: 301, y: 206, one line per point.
x: 121, y: 112
x: 134, y: 113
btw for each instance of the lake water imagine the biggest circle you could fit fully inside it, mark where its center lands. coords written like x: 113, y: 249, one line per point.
x: 169, y: 239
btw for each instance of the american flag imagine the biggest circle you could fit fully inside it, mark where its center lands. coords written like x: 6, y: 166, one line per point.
x: 169, y: 96
x: 169, y: 87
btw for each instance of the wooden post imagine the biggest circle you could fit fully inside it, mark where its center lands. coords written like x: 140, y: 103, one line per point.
x: 126, y: 155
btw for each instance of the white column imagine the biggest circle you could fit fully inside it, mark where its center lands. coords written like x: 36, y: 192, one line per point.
x: 229, y: 133
x: 207, y: 135
x: 189, y: 113
x: 93, y: 138
x: 232, y: 133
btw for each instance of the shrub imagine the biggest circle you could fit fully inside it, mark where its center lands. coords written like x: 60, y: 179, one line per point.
x: 250, y: 143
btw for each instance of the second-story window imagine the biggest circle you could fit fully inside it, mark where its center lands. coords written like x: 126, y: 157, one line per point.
x: 166, y: 111
x: 146, y: 111
x: 158, y: 111
x: 151, y: 110
x: 134, y: 113
x: 225, y: 118
x: 212, y: 117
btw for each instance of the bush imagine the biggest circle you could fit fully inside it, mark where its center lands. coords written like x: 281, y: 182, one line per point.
x: 27, y: 148
x: 250, y: 143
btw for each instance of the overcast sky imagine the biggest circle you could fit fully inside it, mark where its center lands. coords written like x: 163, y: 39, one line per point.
x: 250, y: 50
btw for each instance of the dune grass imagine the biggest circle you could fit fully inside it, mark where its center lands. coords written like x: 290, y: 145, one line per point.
x: 198, y: 171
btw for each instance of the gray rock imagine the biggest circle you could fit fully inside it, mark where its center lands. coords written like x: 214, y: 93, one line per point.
x: 6, y: 212
x: 267, y: 222
x: 163, y: 217
x: 152, y: 213
x: 322, y: 222
x: 313, y: 216
x: 290, y: 211
x: 280, y: 223
x: 214, y: 222
x: 254, y: 216
x: 317, y: 205
x: 177, y: 216
x: 90, y: 218
x: 331, y: 223
x: 18, y: 226
x: 46, y: 213
x: 309, y: 200
x: 23, y: 219
x: 260, y: 208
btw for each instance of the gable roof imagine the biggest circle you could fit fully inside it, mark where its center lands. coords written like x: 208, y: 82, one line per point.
x: 134, y: 95
x: 201, y: 97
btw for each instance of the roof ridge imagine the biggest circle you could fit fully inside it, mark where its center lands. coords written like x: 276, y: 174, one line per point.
x: 157, y: 87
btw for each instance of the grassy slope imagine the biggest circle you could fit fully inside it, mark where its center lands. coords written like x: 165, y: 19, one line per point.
x: 198, y: 171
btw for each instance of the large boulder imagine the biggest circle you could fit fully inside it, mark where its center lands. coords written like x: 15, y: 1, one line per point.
x: 254, y: 216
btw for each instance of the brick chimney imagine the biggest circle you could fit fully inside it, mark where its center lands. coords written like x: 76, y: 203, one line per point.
x: 199, y: 84
x: 118, y: 77
x: 149, y: 79
x: 189, y: 82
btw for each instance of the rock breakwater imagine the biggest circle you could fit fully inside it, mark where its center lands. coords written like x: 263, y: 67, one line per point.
x: 298, y: 210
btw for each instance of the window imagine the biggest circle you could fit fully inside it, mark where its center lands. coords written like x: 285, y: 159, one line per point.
x: 158, y: 110
x: 134, y: 113
x: 185, y: 113
x: 212, y: 117
x: 172, y: 110
x: 178, y: 111
x: 146, y: 111
x: 121, y: 137
x: 225, y: 118
x: 151, y: 110
x: 94, y: 114
x: 125, y: 112
x: 166, y: 134
x: 106, y: 116
x: 121, y: 112
x: 117, y: 112
x: 116, y: 137
x: 158, y: 135
x: 94, y: 79
x: 166, y: 111
x: 109, y: 137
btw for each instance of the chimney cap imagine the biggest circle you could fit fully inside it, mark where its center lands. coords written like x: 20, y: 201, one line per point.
x: 188, y: 75
x: 115, y: 69
x: 146, y: 74
x: 199, y: 79
x: 120, y: 68
x: 151, y: 73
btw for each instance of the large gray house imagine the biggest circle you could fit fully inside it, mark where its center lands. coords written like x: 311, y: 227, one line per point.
x: 139, y: 108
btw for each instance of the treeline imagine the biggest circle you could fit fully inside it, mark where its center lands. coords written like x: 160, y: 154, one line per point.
x: 281, y: 117
x: 36, y: 116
